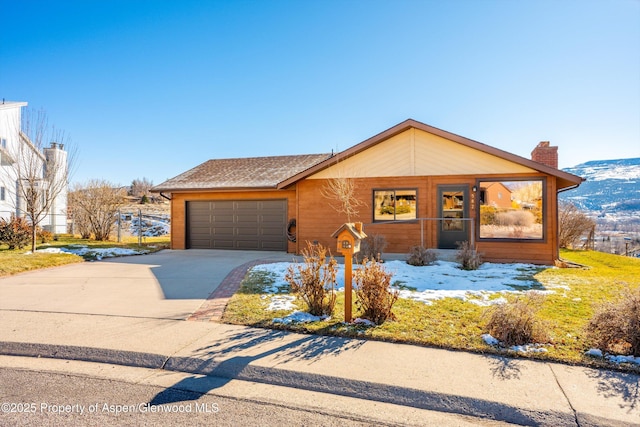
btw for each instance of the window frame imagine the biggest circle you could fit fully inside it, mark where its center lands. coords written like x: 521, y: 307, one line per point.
x: 395, y: 215
x: 543, y: 208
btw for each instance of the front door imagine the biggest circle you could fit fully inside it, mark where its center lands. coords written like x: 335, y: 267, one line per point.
x: 453, y: 206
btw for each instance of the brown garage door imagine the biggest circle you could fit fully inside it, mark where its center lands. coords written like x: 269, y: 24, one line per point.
x: 237, y: 224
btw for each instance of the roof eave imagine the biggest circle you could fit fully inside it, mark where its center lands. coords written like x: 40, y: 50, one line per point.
x: 410, y: 123
x: 209, y: 189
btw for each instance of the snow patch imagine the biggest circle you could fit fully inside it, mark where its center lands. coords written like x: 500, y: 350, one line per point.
x: 490, y: 340
x: 299, y: 317
x: 364, y: 322
x: 98, y: 253
x: 281, y: 302
x: 441, y: 280
x: 526, y: 348
x: 613, y: 358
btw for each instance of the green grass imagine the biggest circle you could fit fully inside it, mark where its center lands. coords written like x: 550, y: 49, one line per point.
x: 17, y: 261
x: 455, y: 324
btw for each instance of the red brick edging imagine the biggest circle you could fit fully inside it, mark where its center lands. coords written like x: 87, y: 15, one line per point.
x: 213, y: 307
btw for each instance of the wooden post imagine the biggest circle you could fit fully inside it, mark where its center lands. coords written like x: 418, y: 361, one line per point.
x: 349, y: 237
x: 347, y: 286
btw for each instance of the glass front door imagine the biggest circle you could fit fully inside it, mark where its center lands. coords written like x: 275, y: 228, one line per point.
x: 453, y: 205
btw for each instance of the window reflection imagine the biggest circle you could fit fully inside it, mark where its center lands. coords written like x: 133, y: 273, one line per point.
x: 511, y: 210
x: 394, y: 205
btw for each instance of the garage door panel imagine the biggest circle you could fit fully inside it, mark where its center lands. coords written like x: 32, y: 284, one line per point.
x: 272, y: 232
x: 221, y: 244
x: 248, y: 232
x: 237, y: 224
x: 251, y: 205
x: 223, y: 233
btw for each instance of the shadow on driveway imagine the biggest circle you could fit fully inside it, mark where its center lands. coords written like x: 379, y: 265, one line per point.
x: 194, y: 273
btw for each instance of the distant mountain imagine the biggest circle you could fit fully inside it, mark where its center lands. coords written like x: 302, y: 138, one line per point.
x: 612, y: 189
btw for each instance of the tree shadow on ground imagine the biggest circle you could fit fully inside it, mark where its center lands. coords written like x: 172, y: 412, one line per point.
x: 505, y: 368
x: 619, y: 385
x: 223, y: 360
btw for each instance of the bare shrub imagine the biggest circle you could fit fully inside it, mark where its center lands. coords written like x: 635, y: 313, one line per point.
x: 615, y: 326
x: 341, y: 192
x: 518, y: 218
x: 373, y: 246
x: 95, y: 207
x: 315, y: 280
x: 420, y: 256
x: 515, y: 323
x: 44, y: 235
x: 468, y: 256
x: 373, y: 295
x: 16, y: 232
x: 572, y: 225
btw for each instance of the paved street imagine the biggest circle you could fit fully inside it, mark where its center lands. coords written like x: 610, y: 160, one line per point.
x: 40, y: 399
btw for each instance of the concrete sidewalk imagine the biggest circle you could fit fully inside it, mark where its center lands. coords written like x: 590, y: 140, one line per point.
x: 512, y: 390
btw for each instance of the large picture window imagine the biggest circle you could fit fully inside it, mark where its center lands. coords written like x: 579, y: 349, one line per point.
x: 512, y: 209
x: 394, y: 205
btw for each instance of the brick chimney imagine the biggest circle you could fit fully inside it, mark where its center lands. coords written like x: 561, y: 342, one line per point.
x: 545, y: 154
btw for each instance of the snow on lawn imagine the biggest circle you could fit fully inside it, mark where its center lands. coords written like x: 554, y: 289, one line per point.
x: 441, y: 280
x: 594, y: 352
x: 527, y: 348
x: 96, y: 253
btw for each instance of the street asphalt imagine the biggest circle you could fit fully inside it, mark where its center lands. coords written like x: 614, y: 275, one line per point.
x: 131, y: 311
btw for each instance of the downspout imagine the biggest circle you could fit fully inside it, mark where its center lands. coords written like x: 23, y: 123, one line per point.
x: 166, y: 197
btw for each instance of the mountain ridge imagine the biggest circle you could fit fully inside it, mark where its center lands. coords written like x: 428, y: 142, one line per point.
x: 611, y: 190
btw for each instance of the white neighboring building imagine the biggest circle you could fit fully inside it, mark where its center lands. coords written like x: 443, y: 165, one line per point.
x: 13, y: 142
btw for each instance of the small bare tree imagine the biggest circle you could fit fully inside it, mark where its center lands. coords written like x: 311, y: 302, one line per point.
x: 39, y: 175
x: 141, y: 187
x: 97, y: 203
x: 341, y: 191
x: 573, y: 225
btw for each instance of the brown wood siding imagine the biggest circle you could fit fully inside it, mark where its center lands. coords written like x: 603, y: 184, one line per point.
x: 317, y: 219
x: 179, y: 203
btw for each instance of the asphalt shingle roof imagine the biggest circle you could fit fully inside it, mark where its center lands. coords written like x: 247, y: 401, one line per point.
x: 251, y: 172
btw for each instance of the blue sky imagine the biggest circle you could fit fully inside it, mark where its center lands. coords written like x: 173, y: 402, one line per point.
x: 152, y: 89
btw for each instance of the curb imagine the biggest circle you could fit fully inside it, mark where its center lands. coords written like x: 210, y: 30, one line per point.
x: 239, y: 368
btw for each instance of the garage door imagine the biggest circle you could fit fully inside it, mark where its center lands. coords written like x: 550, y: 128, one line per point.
x: 237, y: 224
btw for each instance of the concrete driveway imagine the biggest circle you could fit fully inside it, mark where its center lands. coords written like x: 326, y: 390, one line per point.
x: 164, y: 285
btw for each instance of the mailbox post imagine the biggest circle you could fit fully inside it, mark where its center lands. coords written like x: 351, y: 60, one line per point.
x: 349, y: 236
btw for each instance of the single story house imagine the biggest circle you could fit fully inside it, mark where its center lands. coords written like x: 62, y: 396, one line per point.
x: 416, y: 184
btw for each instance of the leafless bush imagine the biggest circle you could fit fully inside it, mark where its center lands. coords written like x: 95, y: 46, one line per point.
x: 615, y: 326
x: 341, y: 192
x: 468, y: 256
x: 95, y: 206
x: 373, y: 246
x: 515, y: 323
x: 44, y: 236
x: 373, y: 296
x: 15, y: 232
x: 140, y: 187
x: 420, y: 256
x: 314, y: 281
x: 518, y: 218
x: 572, y: 224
